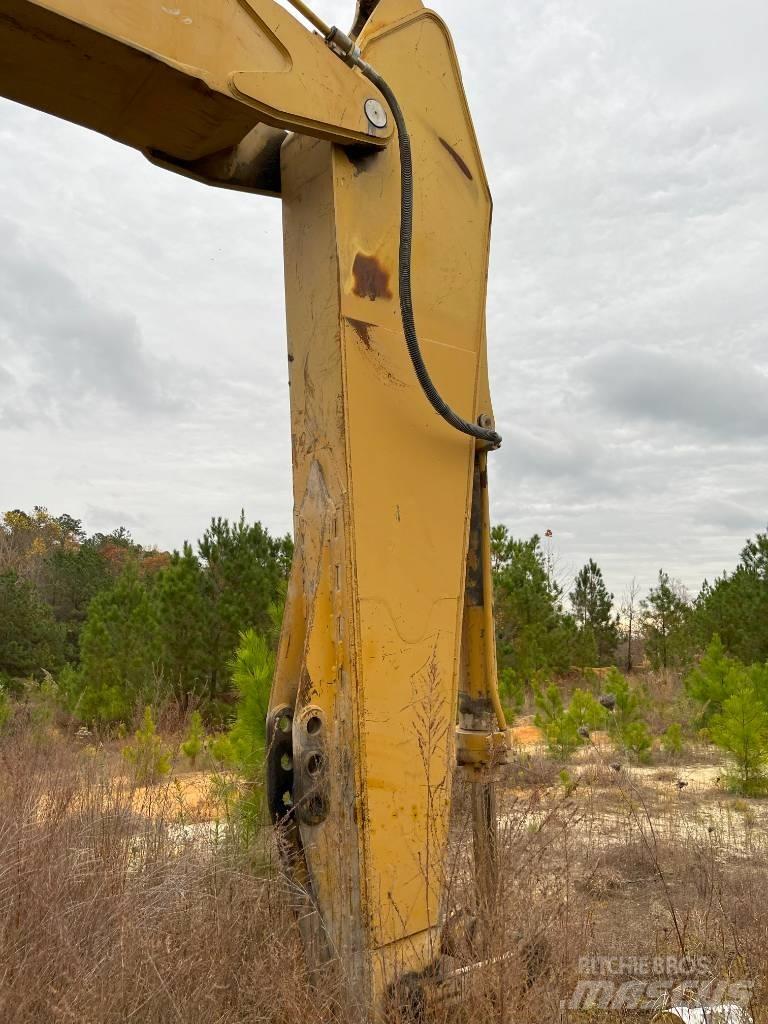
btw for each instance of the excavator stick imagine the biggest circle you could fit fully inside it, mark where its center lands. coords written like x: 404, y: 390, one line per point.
x: 377, y: 633
x: 388, y: 634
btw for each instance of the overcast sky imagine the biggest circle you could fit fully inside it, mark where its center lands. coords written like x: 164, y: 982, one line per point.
x: 142, y: 335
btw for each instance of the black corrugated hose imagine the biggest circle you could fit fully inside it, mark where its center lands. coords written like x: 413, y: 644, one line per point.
x: 404, y: 270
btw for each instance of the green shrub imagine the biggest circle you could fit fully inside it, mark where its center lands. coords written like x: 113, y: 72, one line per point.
x: 718, y: 677
x: 44, y: 702
x: 221, y: 750
x: 567, y: 781
x: 585, y: 711
x: 630, y: 700
x: 560, y: 732
x: 672, y: 740
x: 566, y: 729
x: 626, y: 723
x: 562, y: 736
x: 147, y: 754
x: 12, y: 686
x: 637, y: 740
x: 242, y: 748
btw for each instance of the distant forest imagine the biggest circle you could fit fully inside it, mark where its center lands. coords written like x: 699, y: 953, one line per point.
x: 117, y: 625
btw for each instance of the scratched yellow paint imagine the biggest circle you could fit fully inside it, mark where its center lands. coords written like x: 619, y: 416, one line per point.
x: 398, y: 480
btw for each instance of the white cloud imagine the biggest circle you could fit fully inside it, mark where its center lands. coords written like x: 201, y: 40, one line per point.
x: 68, y: 354
x: 626, y: 148
x: 722, y: 399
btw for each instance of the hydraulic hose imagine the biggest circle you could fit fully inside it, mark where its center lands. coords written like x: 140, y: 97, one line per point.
x: 436, y: 400
x: 346, y: 48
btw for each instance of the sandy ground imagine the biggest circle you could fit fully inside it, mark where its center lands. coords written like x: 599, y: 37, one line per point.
x: 526, y: 734
x: 670, y: 801
x: 188, y: 797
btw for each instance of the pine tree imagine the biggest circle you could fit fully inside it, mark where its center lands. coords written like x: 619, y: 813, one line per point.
x: 666, y: 624
x: 120, y: 648
x: 585, y: 711
x: 74, y: 573
x: 708, y: 682
x: 243, y: 568
x: 184, y: 624
x: 672, y: 740
x: 30, y: 639
x: 735, y: 606
x: 534, y: 635
x: 629, y: 701
x: 560, y: 731
x: 626, y: 722
x: 637, y: 740
x: 741, y: 729
x: 565, y: 729
x: 593, y: 610
x: 252, y: 669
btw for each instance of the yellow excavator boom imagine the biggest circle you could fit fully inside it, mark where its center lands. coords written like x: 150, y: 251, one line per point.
x: 386, y: 673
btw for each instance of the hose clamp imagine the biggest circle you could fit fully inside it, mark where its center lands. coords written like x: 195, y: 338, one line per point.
x: 343, y: 46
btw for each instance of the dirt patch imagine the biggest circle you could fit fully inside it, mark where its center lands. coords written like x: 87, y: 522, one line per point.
x: 189, y: 797
x: 526, y: 734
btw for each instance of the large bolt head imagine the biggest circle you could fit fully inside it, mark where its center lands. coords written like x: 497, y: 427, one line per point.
x: 375, y: 113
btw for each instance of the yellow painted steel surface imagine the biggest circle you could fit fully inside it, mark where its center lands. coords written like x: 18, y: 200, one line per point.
x: 382, y: 491
x: 186, y: 79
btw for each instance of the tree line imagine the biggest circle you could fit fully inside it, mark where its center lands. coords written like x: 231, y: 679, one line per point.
x: 716, y: 645
x: 543, y: 632
x: 119, y: 626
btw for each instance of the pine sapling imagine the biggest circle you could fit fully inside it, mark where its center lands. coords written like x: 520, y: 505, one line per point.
x: 741, y: 729
x: 672, y: 740
x: 147, y: 754
x: 194, y: 743
x: 6, y: 711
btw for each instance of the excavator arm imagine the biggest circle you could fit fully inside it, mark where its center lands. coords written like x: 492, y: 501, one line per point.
x: 208, y: 89
x: 386, y: 671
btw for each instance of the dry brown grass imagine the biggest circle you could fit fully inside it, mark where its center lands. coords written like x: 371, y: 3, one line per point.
x: 111, y: 911
x: 104, y: 917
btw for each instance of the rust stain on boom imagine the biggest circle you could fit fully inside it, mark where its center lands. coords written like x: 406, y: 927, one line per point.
x: 371, y: 279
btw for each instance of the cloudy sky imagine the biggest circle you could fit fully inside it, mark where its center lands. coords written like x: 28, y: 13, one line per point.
x: 142, y: 334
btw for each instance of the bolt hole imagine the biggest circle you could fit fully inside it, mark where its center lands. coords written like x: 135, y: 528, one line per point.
x: 314, y: 724
x: 315, y: 763
x: 287, y: 799
x: 286, y: 762
x: 284, y: 723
